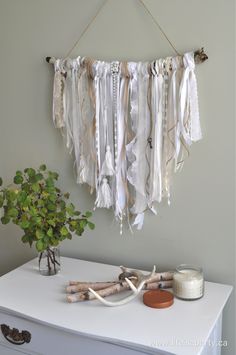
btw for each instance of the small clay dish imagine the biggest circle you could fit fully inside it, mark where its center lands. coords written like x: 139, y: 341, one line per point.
x: 158, y: 299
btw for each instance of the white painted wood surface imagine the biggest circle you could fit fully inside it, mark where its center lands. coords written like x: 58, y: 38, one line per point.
x: 37, y: 303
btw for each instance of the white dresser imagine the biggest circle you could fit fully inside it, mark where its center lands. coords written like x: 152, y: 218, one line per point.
x: 37, y: 304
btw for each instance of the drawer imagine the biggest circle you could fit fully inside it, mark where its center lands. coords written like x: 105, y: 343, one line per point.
x: 46, y: 340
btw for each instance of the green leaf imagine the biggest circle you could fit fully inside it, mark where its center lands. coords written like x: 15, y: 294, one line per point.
x: 88, y: 214
x: 33, y: 211
x: 39, y: 177
x: 77, y: 213
x: 39, y: 234
x: 64, y: 231
x: 51, y: 207
x: 62, y: 205
x: 91, y: 225
x: 79, y: 231
x: 46, y: 239
x: 50, y: 189
x: 49, y: 182
x: 72, y: 229
x: 1, y: 181
x: 53, y: 175
x: 42, y: 167
x: 50, y: 232
x: 69, y: 236
x: 30, y: 172
x: 19, y: 173
x: 18, y: 179
x: 83, y: 223
x: 24, y: 224
x: 43, y: 212
x: 35, y: 187
x: 39, y: 245
x: 37, y: 220
x: 32, y: 179
x: 5, y: 220
x: 25, y: 187
x: 25, y: 238
x: 13, y: 212
x: 21, y: 197
x: 27, y: 202
x: 51, y: 222
x: 40, y: 203
x: 60, y: 217
x: 11, y: 195
x: 52, y: 198
x: 70, y: 209
x: 54, y: 241
x: 73, y: 223
x: 46, y: 244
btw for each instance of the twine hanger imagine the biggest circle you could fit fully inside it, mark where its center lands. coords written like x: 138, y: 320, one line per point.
x: 98, y: 12
x: 199, y: 55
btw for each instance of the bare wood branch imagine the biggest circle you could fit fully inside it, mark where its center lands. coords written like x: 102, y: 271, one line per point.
x: 78, y: 286
x: 199, y: 55
x: 158, y: 276
x: 76, y: 282
x: 84, y: 286
x: 157, y: 285
x: 114, y: 289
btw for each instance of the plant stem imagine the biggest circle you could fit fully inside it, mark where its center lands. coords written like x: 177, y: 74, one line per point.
x: 48, y: 261
x: 52, y: 258
x: 40, y: 258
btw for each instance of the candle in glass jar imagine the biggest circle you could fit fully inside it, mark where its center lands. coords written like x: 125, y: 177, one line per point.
x: 188, y: 282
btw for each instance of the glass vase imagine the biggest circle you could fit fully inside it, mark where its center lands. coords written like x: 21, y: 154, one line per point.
x: 49, y: 261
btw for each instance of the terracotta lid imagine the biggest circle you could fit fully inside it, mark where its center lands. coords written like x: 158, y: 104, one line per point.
x: 158, y: 299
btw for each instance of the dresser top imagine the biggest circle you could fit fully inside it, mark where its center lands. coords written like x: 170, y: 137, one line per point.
x: 181, y: 329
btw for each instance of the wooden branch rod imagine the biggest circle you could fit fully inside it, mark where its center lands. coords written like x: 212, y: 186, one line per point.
x: 199, y: 56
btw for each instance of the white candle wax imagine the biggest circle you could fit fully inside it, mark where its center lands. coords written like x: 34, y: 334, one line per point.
x: 188, y: 283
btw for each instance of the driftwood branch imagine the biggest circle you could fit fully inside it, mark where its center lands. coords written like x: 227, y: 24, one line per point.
x: 199, y: 56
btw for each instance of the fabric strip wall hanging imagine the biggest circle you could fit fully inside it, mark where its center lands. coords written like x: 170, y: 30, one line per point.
x: 130, y: 126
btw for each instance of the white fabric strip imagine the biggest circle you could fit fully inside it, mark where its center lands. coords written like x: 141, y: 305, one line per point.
x: 155, y: 194
x: 121, y: 155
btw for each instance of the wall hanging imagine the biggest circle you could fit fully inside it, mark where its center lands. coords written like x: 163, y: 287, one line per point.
x: 129, y: 125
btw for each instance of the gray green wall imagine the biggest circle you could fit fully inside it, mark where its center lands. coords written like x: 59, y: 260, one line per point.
x: 199, y: 226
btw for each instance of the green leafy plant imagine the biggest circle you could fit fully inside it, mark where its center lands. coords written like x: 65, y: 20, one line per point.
x: 40, y: 209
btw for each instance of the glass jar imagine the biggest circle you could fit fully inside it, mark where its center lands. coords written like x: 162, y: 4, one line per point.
x: 188, y: 282
x: 49, y: 261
